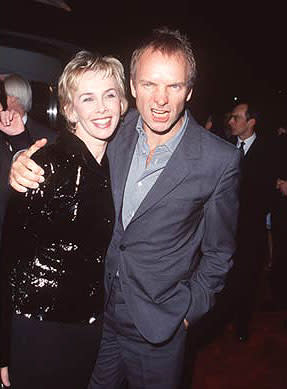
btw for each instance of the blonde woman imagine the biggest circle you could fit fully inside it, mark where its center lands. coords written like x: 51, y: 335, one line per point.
x: 55, y: 238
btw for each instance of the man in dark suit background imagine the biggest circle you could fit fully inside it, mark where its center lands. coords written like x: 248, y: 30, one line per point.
x: 17, y: 129
x: 255, y: 196
x: 19, y: 99
x: 175, y: 189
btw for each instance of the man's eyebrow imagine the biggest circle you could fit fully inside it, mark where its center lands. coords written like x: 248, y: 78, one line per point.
x: 179, y: 83
x: 143, y: 80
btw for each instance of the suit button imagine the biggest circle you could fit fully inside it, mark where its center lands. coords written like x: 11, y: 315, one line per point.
x: 122, y: 247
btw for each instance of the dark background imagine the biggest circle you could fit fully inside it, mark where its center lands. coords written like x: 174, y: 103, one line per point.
x: 240, y: 47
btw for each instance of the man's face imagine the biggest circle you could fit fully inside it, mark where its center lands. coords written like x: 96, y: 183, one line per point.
x: 239, y: 124
x: 13, y: 104
x: 161, y: 90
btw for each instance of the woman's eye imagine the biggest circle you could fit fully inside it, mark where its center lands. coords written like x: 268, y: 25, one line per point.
x: 87, y: 99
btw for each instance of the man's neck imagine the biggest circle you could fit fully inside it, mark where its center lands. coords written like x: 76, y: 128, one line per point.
x: 155, y: 139
x: 246, y: 137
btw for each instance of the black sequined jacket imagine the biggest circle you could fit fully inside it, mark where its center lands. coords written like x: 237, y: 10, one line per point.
x: 55, y: 239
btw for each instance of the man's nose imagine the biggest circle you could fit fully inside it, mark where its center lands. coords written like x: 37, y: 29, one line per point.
x: 161, y: 97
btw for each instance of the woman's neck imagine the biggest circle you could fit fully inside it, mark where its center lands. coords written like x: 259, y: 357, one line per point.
x: 97, y: 150
x: 97, y: 147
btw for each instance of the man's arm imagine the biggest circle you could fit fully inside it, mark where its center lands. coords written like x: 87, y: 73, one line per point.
x: 218, y: 245
x: 11, y: 123
x: 12, y: 126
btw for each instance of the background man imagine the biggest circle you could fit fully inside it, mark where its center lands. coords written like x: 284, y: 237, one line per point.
x: 19, y: 99
x: 255, y: 192
x: 175, y: 191
x: 17, y: 129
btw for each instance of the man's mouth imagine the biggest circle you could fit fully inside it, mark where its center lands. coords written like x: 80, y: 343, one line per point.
x: 160, y: 115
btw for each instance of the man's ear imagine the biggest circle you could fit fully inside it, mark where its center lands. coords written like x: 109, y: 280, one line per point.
x: 251, y: 122
x: 188, y: 97
x: 133, y: 89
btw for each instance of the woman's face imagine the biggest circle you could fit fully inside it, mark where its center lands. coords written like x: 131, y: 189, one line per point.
x: 96, y: 107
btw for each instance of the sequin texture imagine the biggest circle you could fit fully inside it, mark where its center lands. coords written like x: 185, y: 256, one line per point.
x: 56, y: 236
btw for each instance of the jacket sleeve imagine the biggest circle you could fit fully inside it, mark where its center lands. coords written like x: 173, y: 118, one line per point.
x: 218, y: 244
x: 21, y: 141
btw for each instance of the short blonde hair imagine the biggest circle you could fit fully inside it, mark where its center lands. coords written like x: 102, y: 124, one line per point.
x: 83, y: 62
x: 168, y: 42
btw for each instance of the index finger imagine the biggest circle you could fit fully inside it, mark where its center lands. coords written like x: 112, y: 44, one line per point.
x: 35, y: 147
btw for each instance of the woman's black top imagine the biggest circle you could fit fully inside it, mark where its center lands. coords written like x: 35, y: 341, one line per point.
x: 55, y: 239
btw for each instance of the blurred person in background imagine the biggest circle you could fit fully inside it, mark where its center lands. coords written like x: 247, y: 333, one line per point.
x: 217, y: 124
x: 255, y: 199
x: 279, y: 219
x: 16, y: 103
x: 19, y: 99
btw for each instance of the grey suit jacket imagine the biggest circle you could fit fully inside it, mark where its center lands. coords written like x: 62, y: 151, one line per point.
x: 177, y: 249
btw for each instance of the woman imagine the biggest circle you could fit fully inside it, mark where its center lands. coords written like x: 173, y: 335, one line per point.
x: 55, y: 238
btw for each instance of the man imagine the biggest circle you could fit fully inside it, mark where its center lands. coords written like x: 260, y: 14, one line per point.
x: 19, y: 99
x: 16, y: 93
x: 255, y: 190
x: 175, y: 192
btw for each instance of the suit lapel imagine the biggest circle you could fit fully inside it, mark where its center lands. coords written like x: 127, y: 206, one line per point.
x: 253, y: 150
x: 124, y: 150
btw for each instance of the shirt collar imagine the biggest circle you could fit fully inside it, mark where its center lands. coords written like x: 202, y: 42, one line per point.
x: 248, y: 141
x: 172, y: 143
x: 25, y: 118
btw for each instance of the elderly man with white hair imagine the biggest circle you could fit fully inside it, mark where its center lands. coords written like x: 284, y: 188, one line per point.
x: 17, y: 129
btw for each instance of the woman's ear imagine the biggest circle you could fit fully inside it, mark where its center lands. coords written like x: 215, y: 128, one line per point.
x: 70, y: 114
